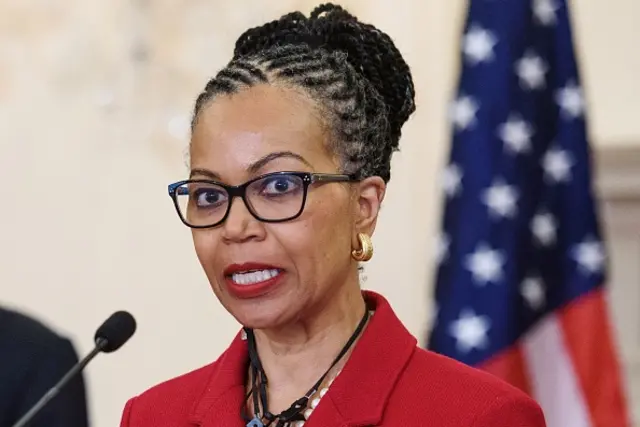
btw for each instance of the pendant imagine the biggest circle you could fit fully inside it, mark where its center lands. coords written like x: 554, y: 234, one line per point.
x: 255, y: 422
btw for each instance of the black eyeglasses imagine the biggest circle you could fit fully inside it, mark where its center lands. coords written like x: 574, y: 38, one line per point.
x: 274, y: 197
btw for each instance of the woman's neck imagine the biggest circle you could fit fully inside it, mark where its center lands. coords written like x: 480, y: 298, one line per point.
x: 294, y: 357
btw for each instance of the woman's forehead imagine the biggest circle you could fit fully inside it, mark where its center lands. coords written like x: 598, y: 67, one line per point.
x: 237, y: 130
x: 240, y: 128
x: 265, y: 109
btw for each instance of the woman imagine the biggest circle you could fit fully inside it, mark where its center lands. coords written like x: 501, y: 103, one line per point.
x: 290, y: 156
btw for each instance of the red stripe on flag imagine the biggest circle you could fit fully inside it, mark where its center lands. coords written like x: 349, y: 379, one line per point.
x: 591, y: 347
x: 510, y: 366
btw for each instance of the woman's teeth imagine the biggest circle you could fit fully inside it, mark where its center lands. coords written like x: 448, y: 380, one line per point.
x: 254, y: 276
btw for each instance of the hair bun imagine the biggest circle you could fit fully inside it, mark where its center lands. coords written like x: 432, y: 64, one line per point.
x: 368, y: 50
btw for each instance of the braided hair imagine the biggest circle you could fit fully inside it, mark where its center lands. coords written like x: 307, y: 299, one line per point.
x: 352, y: 70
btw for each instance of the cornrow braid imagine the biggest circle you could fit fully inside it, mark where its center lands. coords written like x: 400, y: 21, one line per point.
x: 353, y: 71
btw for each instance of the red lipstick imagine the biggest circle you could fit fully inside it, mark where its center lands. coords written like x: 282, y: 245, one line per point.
x: 252, y: 279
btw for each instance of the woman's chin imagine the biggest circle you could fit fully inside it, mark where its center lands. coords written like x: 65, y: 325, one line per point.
x: 263, y: 306
x: 263, y: 314
x: 265, y: 322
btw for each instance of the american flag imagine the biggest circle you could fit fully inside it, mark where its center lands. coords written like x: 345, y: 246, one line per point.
x: 521, y: 275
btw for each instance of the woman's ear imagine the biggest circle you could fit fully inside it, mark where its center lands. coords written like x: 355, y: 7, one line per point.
x: 369, y: 196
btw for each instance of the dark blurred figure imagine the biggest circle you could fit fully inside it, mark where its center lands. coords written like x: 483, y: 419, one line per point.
x: 32, y: 359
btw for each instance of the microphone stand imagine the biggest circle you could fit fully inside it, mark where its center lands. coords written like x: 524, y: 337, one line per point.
x: 53, y: 392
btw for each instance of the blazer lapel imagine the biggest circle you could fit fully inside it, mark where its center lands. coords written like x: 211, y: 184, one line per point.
x: 222, y: 399
x: 226, y: 410
x: 326, y: 415
x: 359, y: 395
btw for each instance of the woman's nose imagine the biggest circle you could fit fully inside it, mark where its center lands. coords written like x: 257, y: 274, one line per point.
x: 240, y: 225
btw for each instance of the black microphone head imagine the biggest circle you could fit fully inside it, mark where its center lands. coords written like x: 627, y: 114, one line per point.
x: 115, y: 331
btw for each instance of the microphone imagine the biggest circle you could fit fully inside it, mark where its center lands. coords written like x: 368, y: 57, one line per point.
x: 110, y: 336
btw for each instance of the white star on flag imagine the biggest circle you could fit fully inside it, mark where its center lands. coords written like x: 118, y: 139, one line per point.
x: 590, y: 256
x: 463, y: 112
x: 532, y: 290
x: 557, y: 165
x: 571, y: 101
x: 516, y: 134
x: 545, y: 11
x: 501, y: 199
x: 485, y: 264
x: 470, y: 331
x: 531, y: 70
x: 478, y: 44
x: 544, y: 228
x: 451, y: 179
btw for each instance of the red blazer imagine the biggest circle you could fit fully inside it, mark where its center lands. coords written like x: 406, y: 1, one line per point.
x: 387, y: 381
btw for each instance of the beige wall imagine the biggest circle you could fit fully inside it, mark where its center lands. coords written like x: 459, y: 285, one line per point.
x: 89, y: 138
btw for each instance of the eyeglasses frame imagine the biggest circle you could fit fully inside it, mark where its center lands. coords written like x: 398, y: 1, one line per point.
x: 234, y: 191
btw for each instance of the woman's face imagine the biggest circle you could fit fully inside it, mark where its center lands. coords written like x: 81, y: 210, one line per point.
x: 269, y: 129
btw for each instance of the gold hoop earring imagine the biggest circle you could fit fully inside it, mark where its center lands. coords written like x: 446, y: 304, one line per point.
x: 365, y: 252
